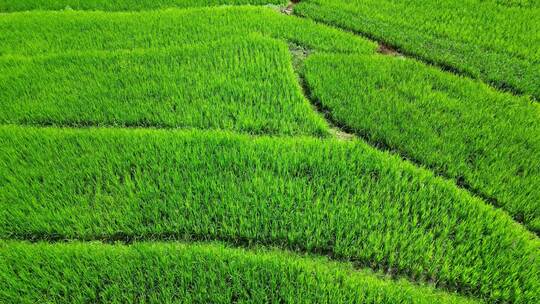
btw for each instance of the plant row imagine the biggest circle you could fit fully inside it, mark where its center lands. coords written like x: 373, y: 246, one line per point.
x: 34, y: 33
x: 343, y: 199
x: 484, y: 140
x: 244, y: 84
x: 120, y: 5
x: 482, y: 39
x: 189, y: 273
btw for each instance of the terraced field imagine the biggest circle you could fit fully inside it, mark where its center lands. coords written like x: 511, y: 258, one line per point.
x: 259, y: 151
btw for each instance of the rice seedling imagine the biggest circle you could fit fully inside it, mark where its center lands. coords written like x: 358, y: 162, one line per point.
x: 164, y: 152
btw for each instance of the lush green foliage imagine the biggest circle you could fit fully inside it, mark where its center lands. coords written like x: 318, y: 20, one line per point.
x: 243, y: 84
x: 480, y: 38
x: 228, y: 70
x: 517, y: 3
x: 57, y: 32
x: 181, y: 273
x: 461, y: 128
x: 341, y: 198
x: 119, y: 5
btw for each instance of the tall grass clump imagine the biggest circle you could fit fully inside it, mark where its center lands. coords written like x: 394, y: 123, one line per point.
x: 462, y: 129
x: 344, y: 199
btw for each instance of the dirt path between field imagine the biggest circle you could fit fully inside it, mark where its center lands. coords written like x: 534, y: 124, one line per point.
x: 299, y: 54
x: 289, y: 9
x: 388, y: 50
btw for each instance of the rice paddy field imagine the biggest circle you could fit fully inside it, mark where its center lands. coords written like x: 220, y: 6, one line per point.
x: 266, y: 151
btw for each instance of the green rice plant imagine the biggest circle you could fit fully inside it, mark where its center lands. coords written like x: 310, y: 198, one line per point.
x: 244, y: 84
x: 190, y: 273
x: 517, y: 3
x: 485, y: 140
x: 340, y: 198
x: 479, y: 38
x: 120, y: 5
x: 57, y: 32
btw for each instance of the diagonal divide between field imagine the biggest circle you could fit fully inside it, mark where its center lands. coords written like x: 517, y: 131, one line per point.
x: 342, y: 130
x: 393, y: 48
x: 298, y: 55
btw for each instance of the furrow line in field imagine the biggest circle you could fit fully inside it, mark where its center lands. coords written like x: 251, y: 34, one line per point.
x: 389, y: 49
x: 191, y: 269
x: 244, y: 243
x: 298, y: 55
x: 239, y: 243
x: 342, y: 131
x: 344, y: 200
